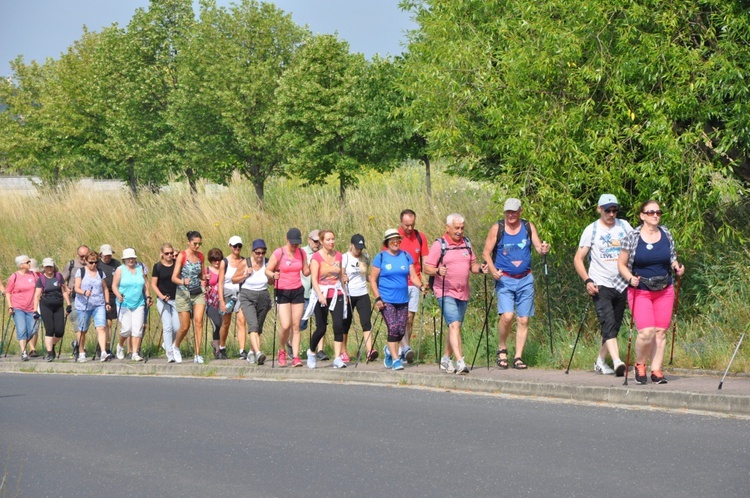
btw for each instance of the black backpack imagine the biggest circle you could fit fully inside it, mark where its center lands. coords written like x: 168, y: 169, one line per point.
x: 501, y: 234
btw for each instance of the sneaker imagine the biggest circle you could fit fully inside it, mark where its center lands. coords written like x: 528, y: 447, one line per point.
x: 640, y: 374
x: 33, y: 354
x: 461, y: 367
x: 260, y: 357
x: 137, y: 357
x: 311, y: 359
x: 217, y: 354
x: 73, y: 347
x: 170, y: 355
x: 243, y: 354
x: 50, y: 356
x: 322, y: 356
x: 24, y: 356
x: 250, y: 357
x: 82, y: 358
x: 619, y: 368
x: 372, y: 355
x: 223, y: 354
x: 282, y: 358
x: 176, y: 354
x: 338, y: 363
x: 296, y: 361
x: 447, y: 365
x: 409, y: 355
x: 120, y: 352
x: 104, y: 357
x: 397, y: 365
x: 602, y: 368
x: 657, y: 377
x: 129, y: 356
x: 345, y: 357
x: 388, y: 359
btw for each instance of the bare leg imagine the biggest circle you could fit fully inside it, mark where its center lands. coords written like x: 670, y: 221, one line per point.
x: 453, y: 341
x: 522, y: 330
x: 198, y: 312
x: 644, y: 345
x: 297, y: 311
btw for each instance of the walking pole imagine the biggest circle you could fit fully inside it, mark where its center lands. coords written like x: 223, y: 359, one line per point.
x: 275, y: 319
x: 7, y: 344
x: 359, y: 346
x: 578, y: 336
x: 549, y: 306
x: 442, y: 293
x: 5, y: 333
x: 62, y: 339
x: 730, y: 361
x: 674, y: 319
x: 146, y: 334
x: 485, y: 328
x: 630, y: 340
x: 377, y: 331
x: 421, y: 327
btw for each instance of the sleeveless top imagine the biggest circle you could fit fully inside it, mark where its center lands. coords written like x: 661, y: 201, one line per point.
x: 514, y: 252
x: 191, y: 271
x: 257, y: 281
x: 95, y: 285
x: 131, y: 287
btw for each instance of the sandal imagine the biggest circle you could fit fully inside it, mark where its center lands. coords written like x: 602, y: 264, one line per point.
x: 502, y: 362
x: 518, y: 364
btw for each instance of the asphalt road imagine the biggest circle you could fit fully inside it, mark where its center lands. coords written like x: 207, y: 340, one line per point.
x: 80, y: 436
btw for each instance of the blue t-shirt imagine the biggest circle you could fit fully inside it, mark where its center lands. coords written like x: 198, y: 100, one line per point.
x: 393, y: 281
x: 513, y: 254
x: 652, y: 260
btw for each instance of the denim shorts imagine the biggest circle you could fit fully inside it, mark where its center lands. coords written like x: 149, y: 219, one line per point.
x: 454, y: 309
x: 515, y: 294
x: 99, y: 313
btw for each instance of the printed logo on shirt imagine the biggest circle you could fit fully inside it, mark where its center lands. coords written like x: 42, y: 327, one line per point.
x: 388, y: 266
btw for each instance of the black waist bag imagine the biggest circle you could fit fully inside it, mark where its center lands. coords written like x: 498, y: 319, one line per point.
x: 194, y: 291
x: 656, y: 283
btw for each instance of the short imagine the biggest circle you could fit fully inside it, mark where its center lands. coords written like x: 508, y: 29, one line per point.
x: 185, y: 302
x: 290, y: 296
x: 414, y: 293
x: 454, y: 309
x: 98, y: 313
x: 652, y: 308
x: 236, y: 307
x: 112, y: 312
x: 610, y: 308
x: 25, y: 324
x: 515, y: 294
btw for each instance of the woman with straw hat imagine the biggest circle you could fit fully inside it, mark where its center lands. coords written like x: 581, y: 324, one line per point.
x: 133, y: 295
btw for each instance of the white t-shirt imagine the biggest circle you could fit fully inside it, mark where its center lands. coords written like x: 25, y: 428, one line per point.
x: 357, y: 279
x: 605, y: 250
x: 257, y: 281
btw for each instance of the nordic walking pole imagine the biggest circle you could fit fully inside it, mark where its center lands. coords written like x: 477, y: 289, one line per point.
x: 630, y: 339
x: 5, y: 333
x: 434, y: 339
x: 377, y: 331
x: 730, y: 361
x: 10, y: 336
x: 487, y: 313
x: 674, y: 319
x: 549, y: 305
x: 486, y: 332
x: 372, y: 326
x: 578, y: 336
x: 421, y: 328
x: 442, y: 294
x: 275, y: 320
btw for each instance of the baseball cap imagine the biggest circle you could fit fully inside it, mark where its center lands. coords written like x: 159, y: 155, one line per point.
x: 106, y: 250
x: 315, y: 235
x: 259, y: 244
x: 48, y: 262
x: 294, y: 236
x: 358, y: 241
x: 607, y: 201
x: 128, y: 252
x: 512, y: 204
x: 234, y: 240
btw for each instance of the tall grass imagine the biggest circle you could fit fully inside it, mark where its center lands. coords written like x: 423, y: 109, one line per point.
x: 713, y: 301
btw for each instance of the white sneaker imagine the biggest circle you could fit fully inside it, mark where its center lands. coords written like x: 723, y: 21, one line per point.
x: 170, y: 355
x: 104, y: 357
x: 447, y: 365
x: 198, y: 359
x: 82, y: 358
x: 260, y: 358
x: 619, y: 368
x: 602, y: 368
x: 176, y: 354
x: 311, y: 359
x: 338, y: 363
x: 251, y: 357
x: 461, y: 367
x: 120, y: 352
x: 136, y: 357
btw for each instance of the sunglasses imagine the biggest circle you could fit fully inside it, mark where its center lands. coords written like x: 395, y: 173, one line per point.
x: 612, y: 211
x: 259, y: 253
x: 90, y: 262
x: 237, y: 246
x: 168, y: 253
x: 652, y: 212
x: 197, y: 244
x: 27, y: 262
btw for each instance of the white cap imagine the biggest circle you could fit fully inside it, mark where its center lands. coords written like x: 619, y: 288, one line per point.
x: 607, y: 201
x: 106, y: 250
x: 512, y: 204
x: 48, y: 262
x: 234, y: 240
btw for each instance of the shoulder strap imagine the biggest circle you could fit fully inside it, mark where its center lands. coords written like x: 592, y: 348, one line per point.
x: 498, y: 236
x: 82, y: 272
x: 43, y: 280
x: 226, y: 264
x: 71, y: 264
x: 443, y: 248
x: 419, y: 241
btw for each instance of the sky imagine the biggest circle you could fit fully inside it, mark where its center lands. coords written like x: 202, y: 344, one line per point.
x: 38, y: 29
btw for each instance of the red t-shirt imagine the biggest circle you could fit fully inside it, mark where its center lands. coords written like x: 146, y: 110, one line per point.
x: 415, y: 249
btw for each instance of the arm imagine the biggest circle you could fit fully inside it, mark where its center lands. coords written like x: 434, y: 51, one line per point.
x: 489, y: 246
x: 542, y: 248
x: 37, y: 297
x: 220, y: 286
x: 306, y: 271
x: 580, y: 266
x: 176, y: 271
x: 271, y: 267
x: 622, y: 266
x: 146, y: 289
x: 314, y: 275
x: 374, y: 274
x: 78, y: 288
x: 155, y: 288
x: 414, y: 277
x: 116, y: 277
x: 243, y: 271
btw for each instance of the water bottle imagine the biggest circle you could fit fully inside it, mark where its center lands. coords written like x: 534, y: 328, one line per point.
x: 229, y: 306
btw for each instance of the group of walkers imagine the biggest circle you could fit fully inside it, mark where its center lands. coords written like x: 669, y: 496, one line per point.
x: 626, y: 266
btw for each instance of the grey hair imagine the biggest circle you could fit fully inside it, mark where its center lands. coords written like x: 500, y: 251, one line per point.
x: 21, y: 260
x: 454, y: 217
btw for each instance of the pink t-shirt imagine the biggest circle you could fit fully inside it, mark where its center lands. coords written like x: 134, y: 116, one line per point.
x: 328, y: 274
x: 21, y: 288
x: 459, y: 260
x: 289, y: 268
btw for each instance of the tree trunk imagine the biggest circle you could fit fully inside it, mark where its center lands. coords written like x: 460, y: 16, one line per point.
x: 190, y: 174
x: 427, y: 178
x: 259, y: 188
x: 342, y: 189
x: 132, y: 183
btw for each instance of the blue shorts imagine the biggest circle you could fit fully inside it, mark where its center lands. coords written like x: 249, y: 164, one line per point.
x: 454, y: 309
x: 515, y: 294
x: 99, y: 313
x: 24, y: 321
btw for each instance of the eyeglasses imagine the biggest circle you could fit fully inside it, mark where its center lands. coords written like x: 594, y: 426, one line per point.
x: 27, y: 262
x: 315, y: 241
x: 394, y: 241
x: 90, y: 262
x: 82, y: 256
x: 259, y: 253
x: 612, y: 211
x: 652, y: 212
x: 237, y: 246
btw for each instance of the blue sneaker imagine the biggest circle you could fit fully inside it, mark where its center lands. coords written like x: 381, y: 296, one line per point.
x: 397, y: 365
x: 388, y: 359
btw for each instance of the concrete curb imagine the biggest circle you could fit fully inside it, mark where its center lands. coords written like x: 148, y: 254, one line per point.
x: 728, y: 404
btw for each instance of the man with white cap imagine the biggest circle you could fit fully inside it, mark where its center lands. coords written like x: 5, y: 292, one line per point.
x: 601, y: 242
x: 507, y: 251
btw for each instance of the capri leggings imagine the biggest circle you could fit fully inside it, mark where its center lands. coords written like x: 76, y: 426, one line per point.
x: 652, y: 308
x: 321, y: 321
x: 364, y: 308
x: 395, y: 316
x: 53, y: 317
x: 216, y: 318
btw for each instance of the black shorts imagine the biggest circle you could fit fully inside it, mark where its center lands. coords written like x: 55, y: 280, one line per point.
x: 112, y: 311
x: 294, y: 296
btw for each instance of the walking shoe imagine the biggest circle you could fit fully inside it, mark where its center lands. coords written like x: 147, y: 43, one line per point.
x: 223, y: 354
x: 322, y: 356
x: 296, y: 361
x: 640, y: 374
x: 50, y: 356
x: 657, y: 377
x: 388, y: 359
x: 33, y: 354
x: 198, y: 359
x: 24, y: 356
x: 176, y: 354
x: 289, y: 350
x: 338, y: 363
x: 170, y: 355
x: 250, y: 357
x: 82, y: 358
x: 409, y: 355
x: 619, y: 368
x: 372, y: 355
x: 282, y: 358
x: 602, y: 368
x: 129, y: 356
x: 120, y: 352
x: 73, y: 349
x: 345, y: 357
x: 461, y: 367
x: 447, y: 365
x: 136, y: 357
x: 217, y: 354
x: 243, y: 354
x: 260, y: 357
x: 397, y: 364
x: 311, y: 359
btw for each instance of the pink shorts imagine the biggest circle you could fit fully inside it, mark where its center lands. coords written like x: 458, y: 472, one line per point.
x: 652, y: 308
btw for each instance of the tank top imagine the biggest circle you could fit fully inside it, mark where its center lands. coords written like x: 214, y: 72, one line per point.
x: 514, y: 252
x: 94, y: 283
x: 257, y: 281
x: 131, y: 287
x: 229, y: 287
x: 191, y: 271
x: 357, y: 279
x: 289, y: 268
x: 212, y: 288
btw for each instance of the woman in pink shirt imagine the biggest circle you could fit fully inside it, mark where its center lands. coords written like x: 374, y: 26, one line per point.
x: 19, y: 296
x: 284, y: 266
